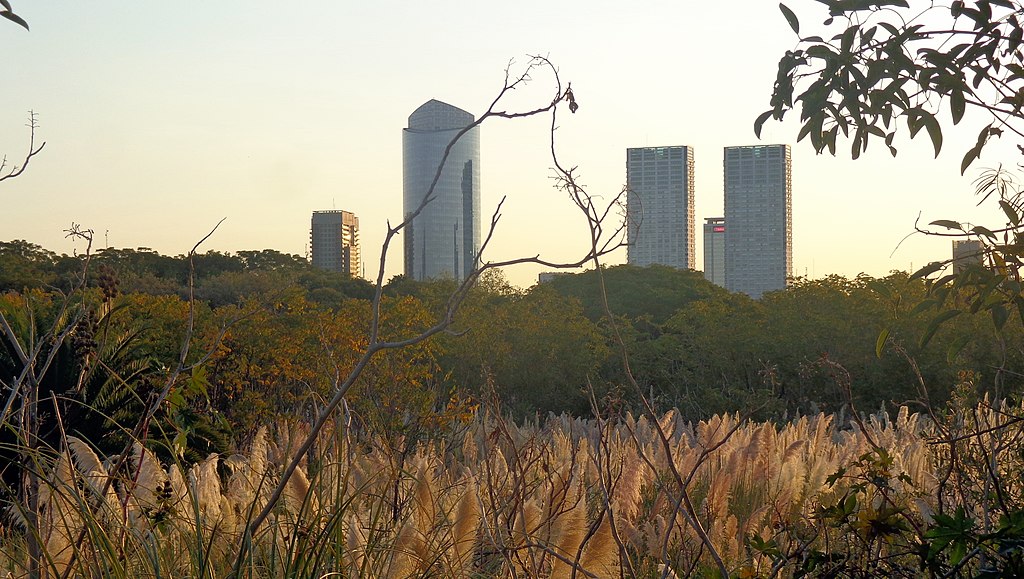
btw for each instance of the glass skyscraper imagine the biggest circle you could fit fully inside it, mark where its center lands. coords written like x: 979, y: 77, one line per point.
x: 659, y: 201
x: 444, y: 239
x: 759, y: 219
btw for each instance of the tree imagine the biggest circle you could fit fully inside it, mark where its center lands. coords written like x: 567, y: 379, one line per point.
x: 888, y: 68
x: 882, y: 68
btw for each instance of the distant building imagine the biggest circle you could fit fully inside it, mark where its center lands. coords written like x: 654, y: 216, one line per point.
x: 444, y: 239
x: 967, y: 252
x: 334, y: 241
x: 759, y: 214
x: 659, y: 201
x: 714, y: 250
x: 546, y: 276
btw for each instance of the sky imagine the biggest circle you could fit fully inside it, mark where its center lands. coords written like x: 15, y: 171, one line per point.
x: 160, y: 119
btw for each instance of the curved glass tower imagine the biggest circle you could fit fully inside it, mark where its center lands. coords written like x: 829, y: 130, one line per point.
x: 444, y: 239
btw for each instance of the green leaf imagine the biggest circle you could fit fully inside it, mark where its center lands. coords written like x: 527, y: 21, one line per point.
x: 14, y: 18
x: 761, y: 120
x: 1010, y: 212
x: 879, y: 287
x: 927, y: 270
x: 999, y: 316
x: 947, y: 224
x: 956, y: 347
x: 957, y: 105
x: 790, y: 17
x: 936, y: 322
x: 883, y: 336
x: 934, y: 131
x: 969, y: 158
x: 980, y: 230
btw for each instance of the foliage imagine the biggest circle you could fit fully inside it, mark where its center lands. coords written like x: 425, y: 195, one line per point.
x: 887, y: 68
x: 656, y: 291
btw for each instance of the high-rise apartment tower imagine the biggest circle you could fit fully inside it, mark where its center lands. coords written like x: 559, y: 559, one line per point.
x: 967, y: 252
x: 334, y: 241
x: 714, y: 250
x: 659, y: 201
x: 444, y: 239
x: 759, y: 218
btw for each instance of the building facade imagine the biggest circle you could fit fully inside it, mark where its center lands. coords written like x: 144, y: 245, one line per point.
x: 334, y: 241
x: 967, y: 252
x: 714, y: 250
x: 444, y: 239
x: 759, y: 218
x: 659, y: 201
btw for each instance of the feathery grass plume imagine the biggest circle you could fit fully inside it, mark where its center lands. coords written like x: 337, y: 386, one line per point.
x: 96, y: 477
x: 716, y: 503
x: 667, y: 423
x: 728, y: 544
x: 205, y: 483
x: 527, y: 521
x: 297, y: 494
x: 626, y: 498
x: 470, y: 450
x: 179, y: 491
x: 465, y: 528
x: 148, y: 479
x: 408, y: 552
x: 601, y: 554
x: 355, y: 542
x: 424, y: 507
x: 793, y: 450
x: 60, y: 518
x: 569, y: 529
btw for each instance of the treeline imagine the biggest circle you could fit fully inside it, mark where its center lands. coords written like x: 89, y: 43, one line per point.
x: 272, y: 336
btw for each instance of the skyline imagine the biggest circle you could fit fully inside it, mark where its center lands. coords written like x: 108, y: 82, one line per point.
x: 159, y: 122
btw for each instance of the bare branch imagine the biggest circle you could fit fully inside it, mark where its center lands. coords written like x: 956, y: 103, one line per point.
x: 17, y: 170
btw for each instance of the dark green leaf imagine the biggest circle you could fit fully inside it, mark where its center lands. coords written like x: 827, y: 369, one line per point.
x: 955, y: 348
x: 790, y: 17
x: 14, y: 18
x: 947, y: 224
x: 879, y: 287
x: 1010, y: 212
x: 761, y: 120
x: 934, y: 131
x: 936, y: 322
x: 923, y: 305
x: 999, y: 316
x: 969, y: 158
x: 980, y: 230
x: 957, y: 105
x: 883, y: 336
x: 927, y: 270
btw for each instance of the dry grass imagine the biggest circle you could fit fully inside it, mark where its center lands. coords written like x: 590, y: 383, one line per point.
x: 500, y: 500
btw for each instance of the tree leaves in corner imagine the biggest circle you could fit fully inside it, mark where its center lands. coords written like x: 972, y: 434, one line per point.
x: 9, y: 14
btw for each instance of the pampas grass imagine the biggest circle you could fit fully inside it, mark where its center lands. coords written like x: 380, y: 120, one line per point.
x: 497, y: 500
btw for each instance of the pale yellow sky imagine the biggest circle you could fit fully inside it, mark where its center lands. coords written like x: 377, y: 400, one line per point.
x: 161, y: 119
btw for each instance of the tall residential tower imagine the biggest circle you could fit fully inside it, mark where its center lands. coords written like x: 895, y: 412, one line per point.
x: 759, y: 216
x: 444, y: 239
x: 659, y: 201
x: 334, y: 241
